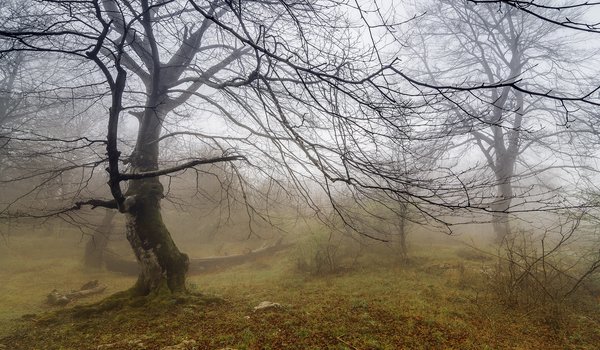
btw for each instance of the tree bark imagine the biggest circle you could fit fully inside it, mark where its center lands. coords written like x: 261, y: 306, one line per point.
x: 500, y: 222
x: 161, y: 263
x: 503, y: 199
x: 401, y: 244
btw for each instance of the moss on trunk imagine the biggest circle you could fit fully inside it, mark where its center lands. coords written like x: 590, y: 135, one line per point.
x: 162, y: 266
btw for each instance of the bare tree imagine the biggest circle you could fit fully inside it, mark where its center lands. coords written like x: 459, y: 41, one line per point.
x: 464, y: 44
x: 266, y: 75
x: 554, y: 12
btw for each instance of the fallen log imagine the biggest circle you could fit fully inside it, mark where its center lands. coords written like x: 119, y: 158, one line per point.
x: 63, y: 298
x: 116, y: 263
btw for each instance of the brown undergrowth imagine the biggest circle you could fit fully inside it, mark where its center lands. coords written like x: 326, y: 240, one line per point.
x: 435, y: 301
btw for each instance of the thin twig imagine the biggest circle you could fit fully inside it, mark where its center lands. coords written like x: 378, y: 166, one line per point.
x: 346, y: 343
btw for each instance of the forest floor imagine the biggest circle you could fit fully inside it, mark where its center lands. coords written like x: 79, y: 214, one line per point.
x: 439, y: 300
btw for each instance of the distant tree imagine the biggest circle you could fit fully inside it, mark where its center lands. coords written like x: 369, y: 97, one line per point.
x: 555, y: 12
x: 97, y: 244
x: 460, y: 44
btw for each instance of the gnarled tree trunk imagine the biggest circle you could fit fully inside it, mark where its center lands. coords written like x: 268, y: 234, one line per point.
x: 161, y: 263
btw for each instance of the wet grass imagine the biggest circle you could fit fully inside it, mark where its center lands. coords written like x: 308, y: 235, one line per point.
x: 437, y: 301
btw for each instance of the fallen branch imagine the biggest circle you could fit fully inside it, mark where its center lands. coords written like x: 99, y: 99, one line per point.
x: 117, y: 264
x: 57, y: 298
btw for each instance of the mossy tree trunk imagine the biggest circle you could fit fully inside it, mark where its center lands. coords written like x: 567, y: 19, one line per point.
x: 161, y: 263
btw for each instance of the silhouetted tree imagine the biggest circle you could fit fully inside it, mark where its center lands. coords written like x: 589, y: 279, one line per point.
x: 256, y: 81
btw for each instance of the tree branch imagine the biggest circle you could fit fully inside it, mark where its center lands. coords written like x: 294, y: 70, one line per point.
x: 190, y: 164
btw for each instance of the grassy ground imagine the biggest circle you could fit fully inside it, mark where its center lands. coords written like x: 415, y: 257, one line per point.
x: 439, y: 301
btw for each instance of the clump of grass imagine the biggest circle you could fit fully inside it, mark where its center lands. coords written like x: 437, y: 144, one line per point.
x: 472, y: 254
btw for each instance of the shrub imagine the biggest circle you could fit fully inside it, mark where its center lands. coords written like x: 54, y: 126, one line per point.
x: 544, y: 273
x: 327, y: 253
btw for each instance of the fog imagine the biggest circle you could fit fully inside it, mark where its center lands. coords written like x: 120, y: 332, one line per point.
x: 313, y: 174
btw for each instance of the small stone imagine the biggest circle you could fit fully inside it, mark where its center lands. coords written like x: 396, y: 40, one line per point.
x: 184, y: 345
x: 267, y: 305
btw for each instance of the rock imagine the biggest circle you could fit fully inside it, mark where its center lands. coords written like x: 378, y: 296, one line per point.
x: 123, y: 344
x: 265, y: 305
x: 90, y: 285
x: 184, y: 345
x: 56, y: 298
x: 2, y: 347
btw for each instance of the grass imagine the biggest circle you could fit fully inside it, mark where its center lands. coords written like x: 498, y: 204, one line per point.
x: 439, y: 301
x: 33, y: 266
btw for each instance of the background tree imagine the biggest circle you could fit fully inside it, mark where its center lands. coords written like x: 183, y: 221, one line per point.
x: 97, y: 244
x: 555, y: 12
x: 514, y: 132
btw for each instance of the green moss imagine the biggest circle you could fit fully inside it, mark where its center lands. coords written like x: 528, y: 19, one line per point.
x: 153, y: 237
